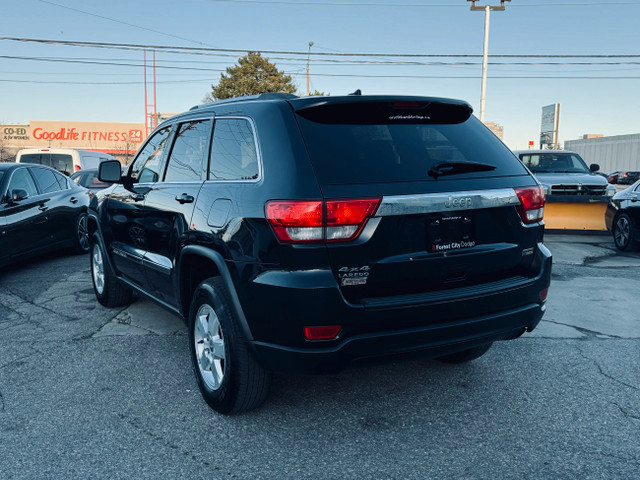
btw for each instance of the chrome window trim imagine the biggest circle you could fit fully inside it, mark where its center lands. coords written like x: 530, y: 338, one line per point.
x: 255, y: 141
x: 435, y: 202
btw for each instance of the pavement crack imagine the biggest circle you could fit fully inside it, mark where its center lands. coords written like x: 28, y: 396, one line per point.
x: 145, y: 430
x: 626, y: 413
x: 592, y: 334
x: 41, y: 305
x: 1, y: 402
x: 604, y: 374
x: 16, y: 360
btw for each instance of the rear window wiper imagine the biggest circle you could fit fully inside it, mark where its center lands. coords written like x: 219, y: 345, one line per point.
x: 454, y: 168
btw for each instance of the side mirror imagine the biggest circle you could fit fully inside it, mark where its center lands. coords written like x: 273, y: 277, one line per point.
x: 19, y: 194
x: 109, y: 171
x: 594, y: 167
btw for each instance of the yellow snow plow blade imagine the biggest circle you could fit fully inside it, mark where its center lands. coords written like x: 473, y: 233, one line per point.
x: 575, y: 216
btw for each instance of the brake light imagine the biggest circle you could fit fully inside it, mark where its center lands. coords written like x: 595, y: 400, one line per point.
x: 531, y: 208
x: 319, y: 221
x: 322, y: 333
x: 296, y: 222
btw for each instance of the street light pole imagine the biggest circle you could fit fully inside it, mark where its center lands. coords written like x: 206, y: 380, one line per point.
x: 487, y: 10
x: 308, y: 56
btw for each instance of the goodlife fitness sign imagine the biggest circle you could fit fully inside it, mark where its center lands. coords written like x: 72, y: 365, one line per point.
x: 106, y: 137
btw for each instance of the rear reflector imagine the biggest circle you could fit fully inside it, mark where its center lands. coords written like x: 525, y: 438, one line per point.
x: 322, y: 333
x: 531, y: 208
x: 320, y: 221
x: 543, y: 294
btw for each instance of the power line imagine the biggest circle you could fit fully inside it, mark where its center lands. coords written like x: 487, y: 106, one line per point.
x: 123, y: 22
x: 202, y: 50
x: 133, y: 63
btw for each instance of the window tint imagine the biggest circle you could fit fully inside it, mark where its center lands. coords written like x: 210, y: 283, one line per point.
x: 46, y: 180
x: 189, y: 152
x: 21, y: 179
x: 146, y: 167
x: 401, y: 152
x: 38, y: 158
x: 233, y: 152
x: 60, y: 161
x: 62, y: 180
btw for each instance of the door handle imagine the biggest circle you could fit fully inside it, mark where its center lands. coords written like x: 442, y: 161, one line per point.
x: 73, y: 200
x: 43, y: 208
x: 184, y: 198
x: 136, y: 197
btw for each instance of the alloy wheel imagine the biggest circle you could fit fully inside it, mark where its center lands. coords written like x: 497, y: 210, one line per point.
x: 83, y: 232
x: 97, y: 268
x: 209, y: 346
x: 622, y: 232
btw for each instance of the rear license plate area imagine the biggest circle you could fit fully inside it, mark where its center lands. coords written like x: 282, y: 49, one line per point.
x: 450, y: 232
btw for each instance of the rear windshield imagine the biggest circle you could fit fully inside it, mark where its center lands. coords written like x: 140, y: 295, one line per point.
x: 399, y: 147
x: 60, y: 161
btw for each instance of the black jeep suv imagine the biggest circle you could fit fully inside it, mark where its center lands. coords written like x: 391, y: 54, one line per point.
x: 302, y: 234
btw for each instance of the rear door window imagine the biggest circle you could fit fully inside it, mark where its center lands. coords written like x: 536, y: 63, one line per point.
x: 379, y: 147
x: 46, y: 180
x: 233, y: 152
x: 190, y: 152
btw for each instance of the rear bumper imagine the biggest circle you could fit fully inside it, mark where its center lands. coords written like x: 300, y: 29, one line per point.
x: 436, y: 324
x: 433, y: 340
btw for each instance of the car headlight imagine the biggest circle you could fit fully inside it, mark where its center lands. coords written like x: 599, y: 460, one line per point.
x: 611, y: 190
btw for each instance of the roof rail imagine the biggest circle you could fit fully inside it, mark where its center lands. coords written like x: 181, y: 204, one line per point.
x: 262, y: 96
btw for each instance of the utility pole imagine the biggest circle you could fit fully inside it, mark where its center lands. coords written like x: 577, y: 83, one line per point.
x: 308, y: 56
x: 487, y: 9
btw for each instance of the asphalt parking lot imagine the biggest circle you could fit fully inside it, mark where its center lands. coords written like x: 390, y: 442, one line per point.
x: 87, y: 391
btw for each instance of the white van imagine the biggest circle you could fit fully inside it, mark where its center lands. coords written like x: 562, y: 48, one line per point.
x: 65, y: 160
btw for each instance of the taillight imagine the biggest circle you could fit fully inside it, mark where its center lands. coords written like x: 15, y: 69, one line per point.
x: 77, y: 168
x: 345, y: 218
x: 319, y: 221
x: 531, y: 208
x: 296, y: 222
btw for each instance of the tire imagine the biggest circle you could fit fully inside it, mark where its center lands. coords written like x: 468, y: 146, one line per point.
x: 466, y: 355
x: 82, y: 241
x: 229, y: 377
x: 109, y: 291
x: 623, y: 235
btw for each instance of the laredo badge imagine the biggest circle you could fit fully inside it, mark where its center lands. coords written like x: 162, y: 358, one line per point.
x: 353, y: 275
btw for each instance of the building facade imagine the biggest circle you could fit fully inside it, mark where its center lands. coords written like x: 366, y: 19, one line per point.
x: 118, y: 139
x: 619, y: 152
x: 496, y: 128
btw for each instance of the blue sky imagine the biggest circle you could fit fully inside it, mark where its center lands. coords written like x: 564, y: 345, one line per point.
x: 114, y: 93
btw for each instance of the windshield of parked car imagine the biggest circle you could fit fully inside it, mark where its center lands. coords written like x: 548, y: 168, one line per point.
x: 554, y: 163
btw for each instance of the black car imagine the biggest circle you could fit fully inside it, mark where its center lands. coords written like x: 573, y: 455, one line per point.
x: 40, y: 210
x: 303, y: 234
x: 622, y: 217
x: 88, y: 178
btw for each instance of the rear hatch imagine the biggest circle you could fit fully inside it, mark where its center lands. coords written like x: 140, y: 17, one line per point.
x: 446, y: 212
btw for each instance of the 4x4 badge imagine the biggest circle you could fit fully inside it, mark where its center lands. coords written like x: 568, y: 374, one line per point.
x: 353, y: 275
